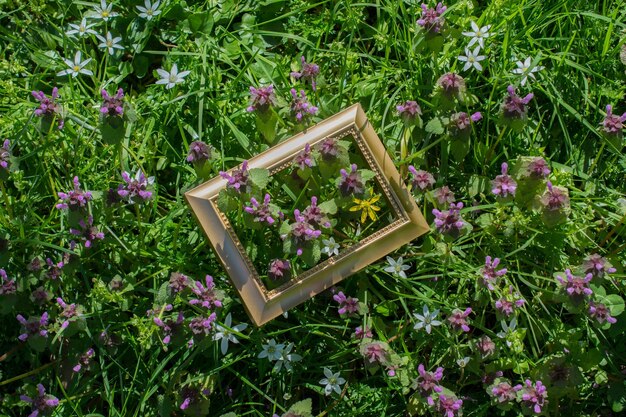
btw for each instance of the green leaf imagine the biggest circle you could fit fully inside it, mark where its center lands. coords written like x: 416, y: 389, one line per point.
x: 200, y: 22
x: 226, y: 203
x: 435, y: 126
x: 259, y: 177
x: 614, y: 303
x: 328, y: 207
x: 141, y: 63
x: 367, y: 174
x: 302, y: 408
x: 266, y: 124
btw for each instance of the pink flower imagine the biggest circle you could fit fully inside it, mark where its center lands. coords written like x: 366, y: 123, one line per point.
x: 112, y: 105
x: 534, y: 396
x: 42, y: 403
x: 489, y: 273
x: 428, y: 383
x: 597, y: 266
x: 409, y: 112
x: 554, y: 199
x: 375, y: 352
x: 48, y: 108
x: 34, y: 326
x: 576, y: 287
x: 431, y: 19
x: 261, y: 99
x: 207, y: 296
x: 449, y: 221
x: 239, y: 180
x: 7, y: 286
x: 515, y: 107
x: 449, y: 406
x: 452, y: 85
x: 359, y: 333
x: 612, y: 125
x: 458, y: 319
x: 599, y: 312
x: 260, y: 212
x: 347, y: 305
x: 504, y: 185
x: 301, y: 109
x: 88, y: 233
x: 538, y: 168
x: 351, y: 183
x: 421, y: 179
x: 443, y: 195
x: 75, y: 199
x: 309, y: 72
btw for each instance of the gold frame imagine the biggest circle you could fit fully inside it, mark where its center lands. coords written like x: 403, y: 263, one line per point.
x: 261, y: 304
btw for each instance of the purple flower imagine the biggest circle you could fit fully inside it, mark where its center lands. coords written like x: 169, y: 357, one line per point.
x: 75, y: 199
x: 449, y: 221
x: 504, y: 185
x: 314, y: 215
x: 301, y: 232
x: 421, y: 179
x: 329, y: 149
x: 538, y: 168
x: 70, y: 311
x: 170, y: 326
x: 199, y: 152
x: 460, y: 123
x: 301, y: 109
x: 308, y: 73
x: 431, y: 19
x: 347, y: 305
x: 599, y: 312
x: 42, y: 403
x: 84, y: 361
x: 452, y: 85
x: 359, y: 333
x: 409, y: 111
x: 576, y: 287
x: 375, y: 352
x: 428, y: 383
x: 260, y: 212
x: 54, y: 270
x: 485, y: 346
x: 8, y: 285
x: 48, y: 108
x: 191, y: 396
x: 261, y: 98
x: 515, y: 107
x: 509, y: 303
x: 207, y: 296
x: 612, y: 124
x: 534, y: 395
x: 88, y: 232
x: 157, y: 310
x: 352, y: 183
x: 279, y: 269
x: 40, y: 296
x: 34, y: 326
x: 504, y: 392
x: 202, y: 325
x: 112, y: 106
x: 554, y: 199
x: 458, y: 319
x: 489, y: 273
x: 135, y: 187
x: 304, y: 159
x: 5, y: 154
x: 239, y: 180
x: 449, y: 406
x: 597, y: 266
x: 178, y: 282
x: 443, y: 195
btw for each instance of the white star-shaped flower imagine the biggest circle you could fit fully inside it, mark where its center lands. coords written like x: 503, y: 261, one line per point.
x: 171, y: 78
x: 397, y: 268
x: 225, y: 333
x: 150, y: 10
x: 472, y: 59
x: 272, y: 351
x: 330, y: 247
x: 426, y: 320
x: 478, y: 34
x: 332, y: 381
x: 109, y: 43
x: 104, y: 11
x: 525, y: 69
x: 286, y: 358
x: 81, y: 29
x: 76, y: 67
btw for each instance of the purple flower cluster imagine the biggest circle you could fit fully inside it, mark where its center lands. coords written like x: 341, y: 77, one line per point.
x: 444, y: 195
x: 301, y: 109
x: 199, y: 152
x: 88, y: 233
x: 597, y: 266
x: 33, y: 327
x: 351, y: 183
x: 201, y: 326
x: 347, y: 305
x: 431, y: 19
x: 504, y: 392
x: 261, y: 99
x: 538, y: 168
x: 314, y: 215
x: 75, y: 199
x: 504, y: 185
x: 554, y: 199
x: 409, y: 111
x: 7, y: 286
x: 576, y: 287
x: 239, y: 180
x: 428, y: 383
x: 169, y: 326
x: 449, y: 406
x: 178, y: 282
x: 601, y: 313
x: 452, y: 85
x: 302, y: 231
x: 207, y: 296
x: 375, y: 353
x: 304, y: 159
x: 449, y: 221
x: 460, y: 123
x: 260, y: 212
x: 458, y: 319
x: 84, y: 361
x: 515, y: 107
x: 135, y: 187
x: 508, y: 304
x: 70, y: 311
x: 612, y: 125
x: 112, y: 106
x: 329, y: 149
x: 279, y: 269
x: 534, y: 395
x: 48, y: 107
x: 421, y: 180
x: 309, y: 72
x: 485, y: 346
x: 490, y: 274
x: 54, y: 270
x: 42, y: 403
x: 5, y: 155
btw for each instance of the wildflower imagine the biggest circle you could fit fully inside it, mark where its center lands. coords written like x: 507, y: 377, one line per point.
x: 302, y: 231
x: 34, y: 265
x: 472, y: 59
x: 109, y: 42
x: 169, y: 326
x: 308, y: 73
x: 81, y: 29
x: 88, y: 233
x: 431, y: 19
x: 54, y: 270
x: 84, y: 360
x: 538, y: 168
x: 347, y: 305
x: 601, y: 313
x: 449, y: 406
x: 135, y: 187
x: 461, y: 122
x: 426, y: 320
x: 272, y: 351
x: 304, y: 159
x: 279, y: 269
x: 360, y: 333
x: 70, y: 311
x: 7, y: 285
x: 352, y: 183
x: 42, y: 403
x: 76, y: 67
x: 192, y: 396
x: 178, y: 282
x: 397, y: 268
x: 112, y: 106
x: 507, y: 305
x: 75, y: 199
x: 489, y: 273
x: 612, y: 124
x: 5, y: 154
x: 207, y: 296
x: 332, y: 382
x: 104, y: 11
x: 409, y: 111
x: 239, y: 180
x: 443, y: 195
x: 421, y: 179
x: 515, y: 107
x: 526, y: 70
x: 202, y: 325
x: 458, y: 319
x: 367, y: 207
x: 199, y: 152
x: 330, y: 247
x: 507, y: 330
x: 534, y: 395
x: 555, y: 198
x: 260, y: 212
x: 576, y: 287
x: 225, y: 333
x: 48, y: 108
x: 171, y: 78
x: 449, y: 221
x: 261, y: 99
x: 428, y: 383
x: 478, y: 34
x: 504, y: 392
x: 33, y: 327
x: 452, y: 85
x: 375, y: 352
x: 597, y: 266
x: 149, y: 10
x: 485, y: 346
x: 301, y: 109
x: 329, y: 149
x: 40, y: 296
x: 286, y: 358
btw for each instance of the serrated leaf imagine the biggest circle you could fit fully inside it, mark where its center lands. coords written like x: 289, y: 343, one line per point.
x: 226, y: 203
x: 435, y: 126
x: 367, y: 174
x: 328, y: 207
x: 302, y: 408
x: 162, y: 294
x: 259, y: 177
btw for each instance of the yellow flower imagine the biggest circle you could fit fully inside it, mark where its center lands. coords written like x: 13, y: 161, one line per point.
x: 367, y: 207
